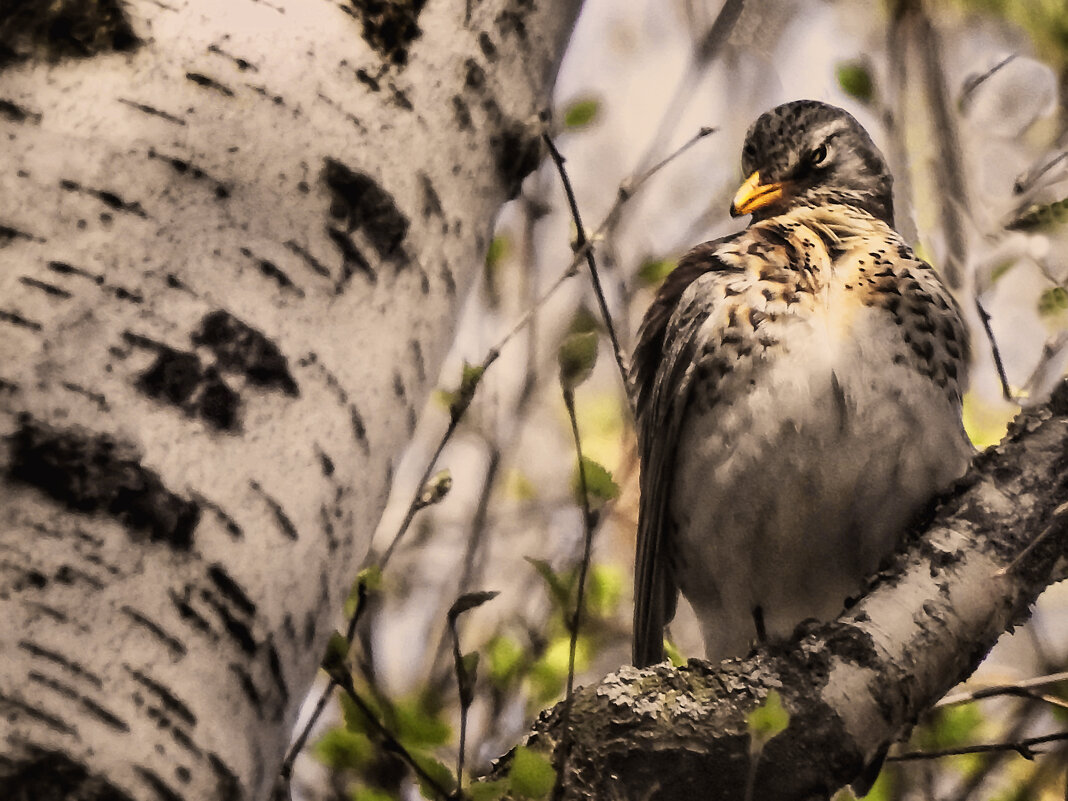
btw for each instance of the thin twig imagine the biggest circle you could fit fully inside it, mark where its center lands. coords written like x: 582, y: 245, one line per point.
x: 1021, y: 747
x: 1058, y: 513
x: 591, y: 262
x: 391, y: 741
x: 994, y: 350
x: 1016, y: 688
x: 575, y: 622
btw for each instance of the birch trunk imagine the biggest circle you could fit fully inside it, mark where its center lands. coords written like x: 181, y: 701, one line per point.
x: 233, y: 239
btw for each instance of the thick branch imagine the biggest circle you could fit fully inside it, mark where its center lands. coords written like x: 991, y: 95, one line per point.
x: 853, y: 685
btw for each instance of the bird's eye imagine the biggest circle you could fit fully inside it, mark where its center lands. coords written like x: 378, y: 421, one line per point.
x: 819, y: 156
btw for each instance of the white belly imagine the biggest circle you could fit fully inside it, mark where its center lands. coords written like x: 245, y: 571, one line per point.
x: 787, y: 497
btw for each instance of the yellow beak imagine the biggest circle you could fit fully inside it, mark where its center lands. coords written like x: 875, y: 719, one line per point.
x: 753, y: 195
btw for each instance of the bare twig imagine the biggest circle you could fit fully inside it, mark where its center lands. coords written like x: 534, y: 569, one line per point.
x: 1022, y: 747
x: 591, y: 262
x: 994, y: 350
x: 584, y: 566
x: 1016, y: 688
x: 465, y: 678
x: 1058, y: 515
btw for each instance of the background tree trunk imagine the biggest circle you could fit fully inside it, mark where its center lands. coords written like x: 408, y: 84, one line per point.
x: 233, y: 239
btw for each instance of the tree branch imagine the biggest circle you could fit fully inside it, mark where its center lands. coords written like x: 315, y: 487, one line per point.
x: 851, y: 686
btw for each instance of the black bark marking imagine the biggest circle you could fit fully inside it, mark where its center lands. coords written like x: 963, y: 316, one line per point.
x: 159, y: 787
x: 359, y: 430
x: 248, y: 687
x: 517, y: 151
x: 240, y: 348
x: 325, y: 462
x: 50, y: 611
x: 168, y: 699
x: 68, y: 575
x: 307, y: 257
x: 447, y: 277
x: 284, y: 523
x: 361, y: 204
x: 191, y: 615
x: 99, y: 400
x: 187, y: 168
x: 240, y: 63
x: 125, y: 294
x: 9, y: 234
x: 63, y: 268
x: 389, y: 26
x: 274, y: 664
x: 54, y: 776
x: 209, y: 83
x: 176, y: 646
x: 512, y: 21
x: 485, y: 44
x: 400, y: 98
x: 230, y: 589
x: 44, y: 286
x: 238, y: 630
x: 16, y: 319
x: 368, y: 80
x: 15, y: 113
x: 417, y: 358
x: 88, y: 704
x: 21, y: 707
x: 431, y: 202
x: 61, y: 661
x: 227, y: 787
x: 474, y: 76
x: 51, y: 30
x: 328, y: 527
x: 155, y: 112
x: 89, y: 472
x: 352, y: 259
x: 232, y: 528
x: 272, y: 271
x: 463, y: 114
x: 178, y: 378
x: 8, y: 386
x: 105, y: 196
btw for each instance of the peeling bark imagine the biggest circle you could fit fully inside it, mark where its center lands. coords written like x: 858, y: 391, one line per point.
x: 230, y: 261
x: 851, y: 686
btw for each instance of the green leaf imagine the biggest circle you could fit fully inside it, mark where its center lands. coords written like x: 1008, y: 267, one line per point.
x: 504, y: 656
x: 604, y: 590
x: 548, y: 675
x: 436, y: 770
x: 653, y: 271
x: 599, y: 484
x: 673, y: 653
x: 341, y: 749
x: 1053, y: 301
x: 767, y: 720
x: 418, y: 726
x: 468, y: 601
x: 577, y: 357
x: 855, y: 79
x: 499, y: 249
x: 532, y: 775
x: 580, y: 113
x: 559, y: 589
x: 487, y: 791
x: 355, y: 719
x: 372, y: 794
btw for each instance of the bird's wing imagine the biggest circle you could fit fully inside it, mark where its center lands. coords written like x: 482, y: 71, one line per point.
x: 662, y: 373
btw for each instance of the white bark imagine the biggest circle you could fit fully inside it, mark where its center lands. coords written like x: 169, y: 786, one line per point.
x: 233, y: 236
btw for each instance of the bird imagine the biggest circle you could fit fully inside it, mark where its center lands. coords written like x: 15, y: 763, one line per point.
x: 798, y: 388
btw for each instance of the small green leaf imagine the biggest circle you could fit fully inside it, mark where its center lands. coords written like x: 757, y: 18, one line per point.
x: 532, y: 775
x: 577, y: 358
x: 505, y: 658
x: 580, y: 113
x: 487, y: 791
x: 468, y: 601
x: 653, y: 271
x: 604, y: 590
x: 559, y: 590
x: 459, y: 399
x: 767, y: 720
x: 673, y: 654
x: 341, y: 749
x: 372, y: 794
x: 437, y: 771
x: 855, y: 79
x: 371, y: 578
x: 1053, y: 301
x: 498, y: 250
x: 548, y: 675
x: 418, y: 726
x: 599, y: 484
x: 355, y: 719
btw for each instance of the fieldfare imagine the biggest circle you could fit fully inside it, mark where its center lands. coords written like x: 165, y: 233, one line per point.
x: 798, y: 394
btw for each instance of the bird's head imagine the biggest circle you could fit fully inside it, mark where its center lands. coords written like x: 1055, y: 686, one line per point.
x: 808, y: 153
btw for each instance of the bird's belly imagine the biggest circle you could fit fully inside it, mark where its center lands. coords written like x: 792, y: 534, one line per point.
x: 788, y: 495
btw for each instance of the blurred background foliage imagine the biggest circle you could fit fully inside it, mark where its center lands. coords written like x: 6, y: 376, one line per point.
x: 967, y: 99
